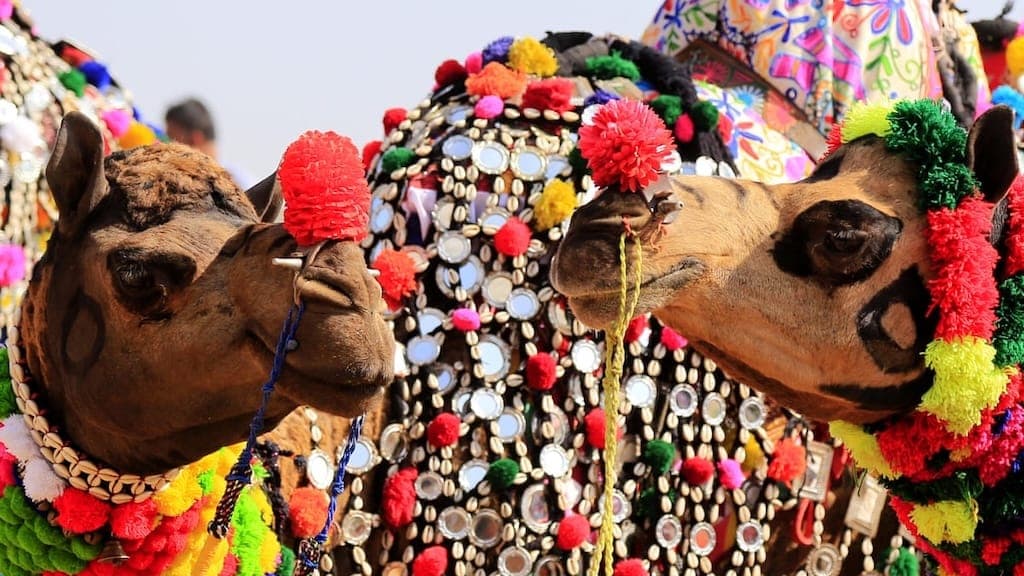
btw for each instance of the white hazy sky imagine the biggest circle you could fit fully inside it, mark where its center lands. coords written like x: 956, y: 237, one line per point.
x: 271, y: 70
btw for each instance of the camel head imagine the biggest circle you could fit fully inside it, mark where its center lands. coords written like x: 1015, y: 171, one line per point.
x: 151, y: 322
x: 816, y: 292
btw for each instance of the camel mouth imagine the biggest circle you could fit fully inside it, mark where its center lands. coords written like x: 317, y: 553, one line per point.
x: 324, y: 288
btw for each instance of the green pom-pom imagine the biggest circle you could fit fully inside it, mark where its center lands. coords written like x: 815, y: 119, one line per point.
x: 287, y: 566
x: 612, y: 66
x: 205, y: 480
x: 396, y: 158
x: 7, y: 516
x: 20, y: 505
x: 8, y: 405
x: 73, y: 80
x: 961, y: 485
x: 502, y: 473
x: 649, y: 505
x: 578, y: 163
x: 926, y: 133
x: 669, y: 107
x: 945, y: 185
x: 8, y: 569
x: 659, y: 455
x: 1009, y: 336
x: 27, y: 539
x: 66, y: 562
x: 705, y: 116
x: 47, y: 534
x: 85, y: 551
x: 906, y: 564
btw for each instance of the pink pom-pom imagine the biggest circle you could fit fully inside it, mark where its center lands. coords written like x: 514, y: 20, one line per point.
x: 6, y: 9
x: 541, y: 371
x: 513, y: 238
x: 12, y: 264
x: 730, y: 474
x: 474, y: 62
x: 443, y: 430
x: 465, y: 319
x: 488, y: 107
x: 573, y: 531
x: 324, y: 188
x: 684, y: 128
x: 117, y: 121
x: 630, y: 567
x: 672, y: 340
x: 697, y: 471
x: 431, y: 562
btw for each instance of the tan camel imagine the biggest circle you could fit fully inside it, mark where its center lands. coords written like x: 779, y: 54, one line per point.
x: 151, y: 321
x: 815, y: 292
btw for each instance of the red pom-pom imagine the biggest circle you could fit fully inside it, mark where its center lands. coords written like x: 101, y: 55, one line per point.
x: 573, y: 531
x: 393, y: 117
x: 630, y: 567
x: 549, y: 94
x: 594, y: 424
x: 134, y: 520
x: 697, y: 471
x: 307, y: 510
x: 465, y: 319
x: 834, y: 140
x: 176, y: 543
x: 626, y: 145
x: 993, y: 548
x: 788, y: 461
x: 541, y: 371
x: 399, y: 500
x: 324, y: 188
x: 74, y: 56
x: 370, y: 151
x: 230, y: 565
x: 725, y: 126
x: 7, y: 468
x: 636, y: 328
x: 79, y: 513
x: 397, y: 276
x: 450, y: 72
x: 431, y: 562
x: 513, y: 238
x: 672, y: 340
x: 684, y: 129
x: 443, y: 430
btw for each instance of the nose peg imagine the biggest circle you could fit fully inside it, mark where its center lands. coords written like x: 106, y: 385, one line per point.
x: 666, y: 208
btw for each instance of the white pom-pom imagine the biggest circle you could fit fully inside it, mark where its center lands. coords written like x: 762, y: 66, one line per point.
x: 41, y: 482
x: 21, y: 135
x: 17, y: 439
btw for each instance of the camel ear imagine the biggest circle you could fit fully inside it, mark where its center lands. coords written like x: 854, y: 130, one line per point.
x: 266, y: 198
x: 75, y: 172
x: 992, y: 152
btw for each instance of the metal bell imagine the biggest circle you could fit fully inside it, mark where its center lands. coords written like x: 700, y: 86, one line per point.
x: 113, y: 552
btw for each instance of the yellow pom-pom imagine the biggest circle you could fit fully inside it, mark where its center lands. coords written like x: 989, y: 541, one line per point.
x: 966, y: 382
x: 270, y: 550
x: 138, y: 134
x: 754, y: 458
x: 555, y: 205
x: 1015, y: 56
x: 952, y: 521
x: 863, y: 119
x: 180, y: 495
x: 529, y: 56
x: 210, y: 560
x: 863, y: 447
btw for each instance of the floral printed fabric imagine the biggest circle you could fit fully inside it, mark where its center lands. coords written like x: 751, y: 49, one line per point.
x: 823, y: 55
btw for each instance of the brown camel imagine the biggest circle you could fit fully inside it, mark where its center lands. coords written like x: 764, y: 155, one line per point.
x: 150, y: 322
x: 815, y: 292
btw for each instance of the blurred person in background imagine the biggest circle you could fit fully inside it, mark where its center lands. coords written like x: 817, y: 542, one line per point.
x: 189, y: 122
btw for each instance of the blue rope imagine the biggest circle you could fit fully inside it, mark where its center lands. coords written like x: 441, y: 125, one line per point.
x: 337, y: 487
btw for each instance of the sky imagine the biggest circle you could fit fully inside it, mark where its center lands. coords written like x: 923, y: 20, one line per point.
x: 272, y: 70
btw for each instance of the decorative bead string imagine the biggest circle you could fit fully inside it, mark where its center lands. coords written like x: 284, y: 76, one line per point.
x: 241, y: 472
x: 310, y: 551
x: 614, y: 359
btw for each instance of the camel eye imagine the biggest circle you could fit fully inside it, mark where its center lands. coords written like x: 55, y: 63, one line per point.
x: 837, y: 242
x: 145, y: 282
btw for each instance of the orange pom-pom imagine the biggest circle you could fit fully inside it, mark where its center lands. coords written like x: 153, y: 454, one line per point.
x: 80, y: 513
x: 788, y: 461
x: 324, y: 188
x: 626, y: 145
x: 397, y: 276
x: 498, y: 80
x: 307, y: 511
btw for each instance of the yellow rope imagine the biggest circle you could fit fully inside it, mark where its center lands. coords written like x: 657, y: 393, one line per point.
x: 614, y: 359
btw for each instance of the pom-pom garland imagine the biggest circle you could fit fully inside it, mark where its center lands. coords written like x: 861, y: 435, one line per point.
x: 117, y: 121
x: 324, y: 189
x: 443, y: 430
x: 636, y: 328
x: 573, y: 531
x: 396, y: 158
x: 497, y: 51
x: 474, y: 62
x: 593, y: 423
x: 684, y: 129
x: 80, y: 513
x: 626, y: 145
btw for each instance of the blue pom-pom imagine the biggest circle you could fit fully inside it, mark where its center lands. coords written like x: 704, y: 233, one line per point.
x: 497, y: 51
x: 96, y: 74
x: 1015, y: 100
x: 600, y: 97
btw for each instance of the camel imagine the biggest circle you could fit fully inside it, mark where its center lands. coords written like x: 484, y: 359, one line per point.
x: 156, y: 261
x: 817, y: 293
